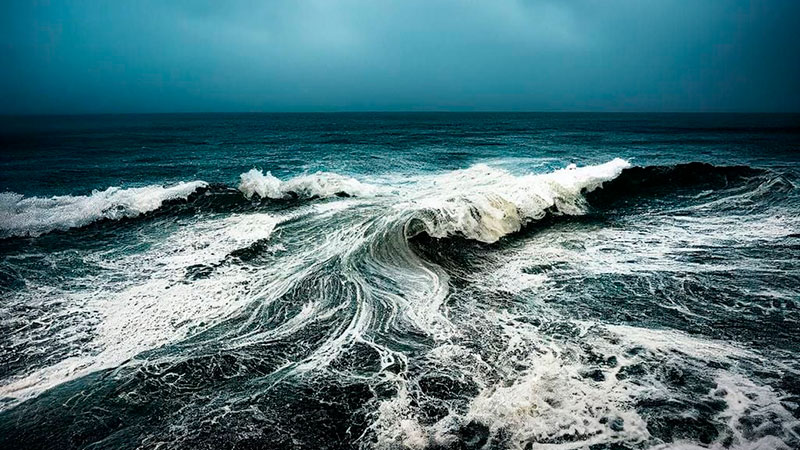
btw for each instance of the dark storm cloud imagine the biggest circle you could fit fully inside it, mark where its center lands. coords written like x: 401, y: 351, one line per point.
x: 616, y: 55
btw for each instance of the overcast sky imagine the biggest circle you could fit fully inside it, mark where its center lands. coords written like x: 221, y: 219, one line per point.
x: 354, y: 55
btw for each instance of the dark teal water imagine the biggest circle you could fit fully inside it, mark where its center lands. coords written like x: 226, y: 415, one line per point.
x: 400, y: 281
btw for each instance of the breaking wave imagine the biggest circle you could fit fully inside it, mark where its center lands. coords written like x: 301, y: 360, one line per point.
x: 485, y: 203
x: 480, y: 203
x: 317, y: 185
x: 32, y: 216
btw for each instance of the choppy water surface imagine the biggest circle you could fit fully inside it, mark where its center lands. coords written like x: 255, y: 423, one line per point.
x: 388, y: 281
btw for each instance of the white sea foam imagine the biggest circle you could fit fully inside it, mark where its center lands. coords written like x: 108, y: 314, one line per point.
x: 143, y: 300
x: 32, y: 216
x: 543, y: 397
x: 319, y: 184
x: 256, y: 182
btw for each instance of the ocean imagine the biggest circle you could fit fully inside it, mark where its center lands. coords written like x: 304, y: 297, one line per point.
x: 400, y: 280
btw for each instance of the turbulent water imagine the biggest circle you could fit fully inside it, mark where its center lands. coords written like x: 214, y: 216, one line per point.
x: 393, y: 281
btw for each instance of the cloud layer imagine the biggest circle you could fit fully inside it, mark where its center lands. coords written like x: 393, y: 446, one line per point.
x: 331, y: 55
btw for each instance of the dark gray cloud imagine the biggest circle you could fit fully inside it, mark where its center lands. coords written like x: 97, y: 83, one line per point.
x: 614, y: 55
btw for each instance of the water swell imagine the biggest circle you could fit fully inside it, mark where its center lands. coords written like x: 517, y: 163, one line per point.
x: 643, y: 181
x: 490, y: 203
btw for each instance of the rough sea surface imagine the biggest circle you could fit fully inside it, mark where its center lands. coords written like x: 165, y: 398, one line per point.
x: 388, y: 281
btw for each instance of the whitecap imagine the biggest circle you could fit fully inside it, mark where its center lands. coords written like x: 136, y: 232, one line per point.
x: 33, y: 216
x: 317, y: 185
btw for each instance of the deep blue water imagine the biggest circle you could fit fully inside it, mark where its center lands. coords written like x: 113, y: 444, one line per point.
x: 75, y: 154
x: 426, y: 280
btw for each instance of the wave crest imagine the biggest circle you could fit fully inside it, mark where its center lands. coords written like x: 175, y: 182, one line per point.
x: 32, y: 216
x: 485, y: 204
x: 318, y: 185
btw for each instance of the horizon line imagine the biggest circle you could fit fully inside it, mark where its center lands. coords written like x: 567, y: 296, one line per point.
x: 433, y: 111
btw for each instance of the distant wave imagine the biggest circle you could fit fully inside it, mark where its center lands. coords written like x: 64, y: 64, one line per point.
x: 317, y: 185
x: 32, y: 216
